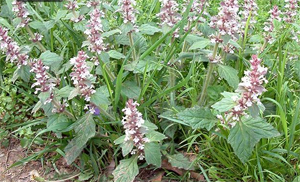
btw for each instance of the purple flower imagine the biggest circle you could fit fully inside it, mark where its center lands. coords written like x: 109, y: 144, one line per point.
x: 169, y: 14
x: 43, y: 82
x: 19, y: 8
x: 81, y: 75
x: 72, y: 5
x: 94, y: 32
x: 11, y: 48
x: 269, y: 26
x: 248, y: 6
x: 250, y: 88
x: 128, y: 11
x: 291, y: 8
x: 133, y: 122
x: 227, y: 20
x: 37, y: 37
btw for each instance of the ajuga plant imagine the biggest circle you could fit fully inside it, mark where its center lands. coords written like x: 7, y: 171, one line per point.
x: 199, y: 88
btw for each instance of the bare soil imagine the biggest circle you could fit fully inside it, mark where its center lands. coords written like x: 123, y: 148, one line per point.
x: 14, y: 153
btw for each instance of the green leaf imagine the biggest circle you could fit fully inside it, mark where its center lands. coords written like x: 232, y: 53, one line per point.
x: 297, y: 179
x: 51, y: 59
x: 65, y: 91
x: 198, y: 117
x: 126, y: 170
x: 5, y: 23
x: 229, y: 74
x: 110, y: 33
x: 59, y: 123
x: 100, y: 98
x: 297, y: 68
x: 84, y: 129
x: 119, y: 140
x: 115, y: 54
x: 150, y: 126
x: 131, y: 90
x: 148, y: 29
x: 227, y: 103
x: 200, y: 44
x: 60, y: 14
x: 127, y: 147
x: 234, y: 43
x: 246, y: 133
x: 38, y: 25
x: 149, y: 64
x: 179, y: 161
x: 152, y: 154
x: 155, y: 136
x: 73, y: 93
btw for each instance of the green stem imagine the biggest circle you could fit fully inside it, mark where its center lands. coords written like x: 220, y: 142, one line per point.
x: 208, y: 76
x: 132, y: 46
x: 65, y: 111
x: 42, y: 48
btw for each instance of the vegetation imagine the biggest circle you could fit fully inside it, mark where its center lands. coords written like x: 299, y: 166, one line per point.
x: 201, y: 90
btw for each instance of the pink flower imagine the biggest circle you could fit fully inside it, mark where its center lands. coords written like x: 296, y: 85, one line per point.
x: 94, y: 32
x: 133, y: 122
x: 43, y: 82
x: 128, y: 11
x: 248, y: 6
x: 11, y: 48
x: 37, y: 37
x: 269, y: 26
x: 250, y: 88
x: 72, y: 5
x: 81, y: 75
x: 19, y: 8
x: 169, y: 14
x: 291, y: 9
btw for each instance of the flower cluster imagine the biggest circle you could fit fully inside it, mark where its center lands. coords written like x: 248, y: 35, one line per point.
x: 197, y: 8
x: 249, y: 6
x: 37, y: 37
x: 227, y: 20
x: 250, y: 88
x: 134, y: 131
x: 72, y: 5
x: 169, y: 14
x: 269, y: 26
x: 81, y: 75
x: 93, y: 3
x: 43, y: 82
x: 94, y: 32
x: 291, y: 7
x: 11, y: 48
x: 20, y: 11
x: 128, y: 11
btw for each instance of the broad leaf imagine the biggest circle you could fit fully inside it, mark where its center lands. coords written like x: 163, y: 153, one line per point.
x: 179, y: 161
x: 148, y: 29
x: 227, y: 103
x: 59, y: 123
x: 155, y: 136
x: 126, y: 170
x: 84, y: 129
x: 65, y: 91
x: 229, y: 74
x: 198, y: 117
x: 152, y: 154
x: 100, y: 98
x: 131, y: 90
x: 51, y: 59
x: 127, y: 147
x: 115, y: 54
x: 200, y: 44
x: 110, y: 33
x: 245, y: 134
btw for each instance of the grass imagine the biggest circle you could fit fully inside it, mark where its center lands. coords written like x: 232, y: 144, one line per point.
x: 166, y: 77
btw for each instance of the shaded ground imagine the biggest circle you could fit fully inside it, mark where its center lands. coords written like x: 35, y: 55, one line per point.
x: 15, y: 152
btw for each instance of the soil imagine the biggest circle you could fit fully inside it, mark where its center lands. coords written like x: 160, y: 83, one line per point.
x: 14, y: 152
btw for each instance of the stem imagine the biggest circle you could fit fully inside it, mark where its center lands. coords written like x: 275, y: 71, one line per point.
x: 32, y: 37
x: 132, y: 46
x: 208, y: 76
x: 65, y: 111
x: 172, y: 80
